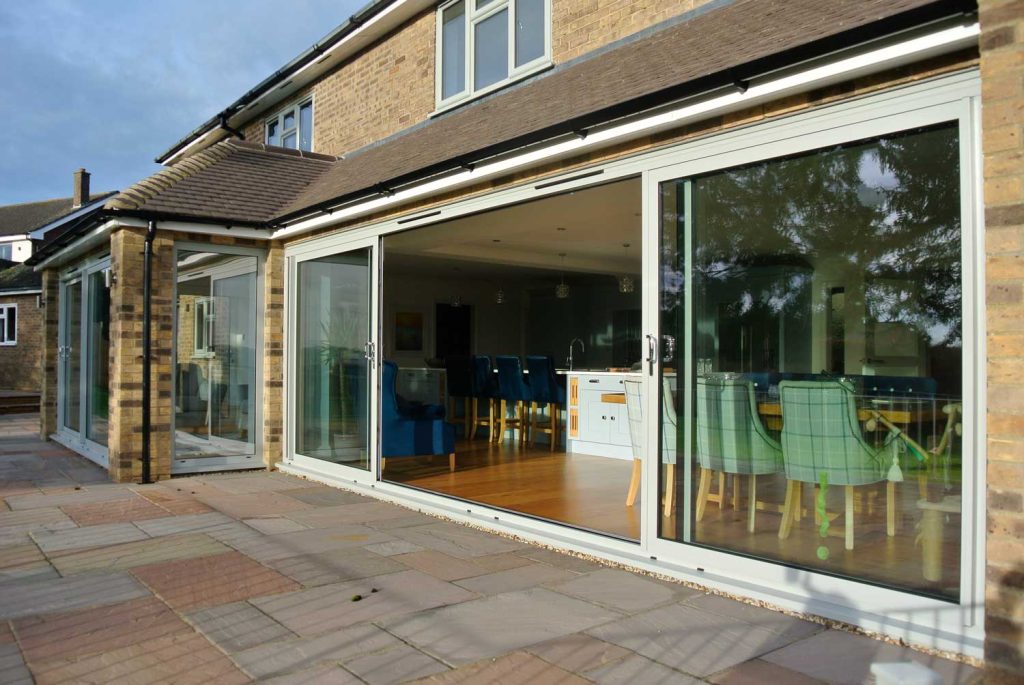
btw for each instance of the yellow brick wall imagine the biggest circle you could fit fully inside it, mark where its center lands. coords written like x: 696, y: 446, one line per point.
x: 20, y: 363
x: 1002, y: 73
x: 48, y: 354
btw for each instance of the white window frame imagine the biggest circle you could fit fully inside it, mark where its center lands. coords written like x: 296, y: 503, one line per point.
x: 201, y: 326
x: 278, y: 118
x: 473, y: 17
x: 4, y: 309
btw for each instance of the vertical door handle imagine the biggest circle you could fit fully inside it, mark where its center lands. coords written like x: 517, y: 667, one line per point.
x: 652, y: 352
x: 370, y: 352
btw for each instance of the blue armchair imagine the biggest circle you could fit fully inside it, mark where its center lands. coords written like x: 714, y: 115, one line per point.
x: 407, y: 434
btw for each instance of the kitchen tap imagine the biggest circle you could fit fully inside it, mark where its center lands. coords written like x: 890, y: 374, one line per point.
x: 573, y: 344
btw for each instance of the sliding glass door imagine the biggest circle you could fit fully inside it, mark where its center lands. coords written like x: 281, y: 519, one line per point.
x: 332, y: 330
x: 217, y: 342
x: 83, y: 376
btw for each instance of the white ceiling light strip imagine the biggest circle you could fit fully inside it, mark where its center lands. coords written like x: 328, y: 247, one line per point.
x: 892, y: 55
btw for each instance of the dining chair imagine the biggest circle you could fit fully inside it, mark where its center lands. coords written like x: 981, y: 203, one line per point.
x: 459, y: 382
x: 822, y: 438
x: 485, y: 391
x: 406, y: 432
x: 547, y: 390
x: 669, y: 428
x: 514, y: 390
x: 732, y: 440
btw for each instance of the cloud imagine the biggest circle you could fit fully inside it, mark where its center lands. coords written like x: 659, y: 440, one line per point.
x: 109, y: 84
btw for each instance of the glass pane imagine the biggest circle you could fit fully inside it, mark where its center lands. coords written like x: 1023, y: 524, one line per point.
x: 480, y: 4
x: 331, y: 370
x: 72, y: 356
x: 5, y: 251
x: 529, y: 31
x: 306, y: 126
x: 289, y: 140
x: 98, y: 386
x: 490, y: 50
x: 216, y: 355
x: 288, y: 122
x: 273, y: 137
x: 453, y: 50
x: 11, y: 324
x: 821, y: 373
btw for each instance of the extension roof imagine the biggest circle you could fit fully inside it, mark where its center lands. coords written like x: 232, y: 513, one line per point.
x: 15, y: 277
x: 713, y: 46
x: 28, y: 216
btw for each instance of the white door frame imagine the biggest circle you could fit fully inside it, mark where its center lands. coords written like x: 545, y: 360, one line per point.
x: 293, y: 257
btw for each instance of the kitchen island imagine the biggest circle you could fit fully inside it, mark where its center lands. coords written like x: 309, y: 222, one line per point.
x: 598, y: 425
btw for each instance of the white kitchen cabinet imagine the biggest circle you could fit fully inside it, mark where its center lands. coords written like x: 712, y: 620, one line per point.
x: 595, y: 426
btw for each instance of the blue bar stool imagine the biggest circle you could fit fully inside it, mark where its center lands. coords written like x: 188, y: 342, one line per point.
x: 547, y: 388
x: 459, y: 379
x: 513, y: 389
x: 484, y: 389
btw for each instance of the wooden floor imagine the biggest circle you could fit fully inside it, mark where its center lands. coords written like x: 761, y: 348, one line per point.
x: 590, y: 492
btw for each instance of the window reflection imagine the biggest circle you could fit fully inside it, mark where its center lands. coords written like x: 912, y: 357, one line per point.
x: 825, y: 387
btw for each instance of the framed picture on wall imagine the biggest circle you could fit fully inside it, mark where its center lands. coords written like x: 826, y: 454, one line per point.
x: 409, y: 332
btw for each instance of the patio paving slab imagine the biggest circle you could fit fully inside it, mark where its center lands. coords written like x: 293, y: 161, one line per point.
x: 560, y: 559
x: 39, y: 570
x: 75, y: 634
x: 313, y: 542
x: 325, y: 517
x: 20, y: 555
x: 637, y: 670
x: 273, y: 525
x: 320, y: 675
x: 758, y: 671
x: 322, y: 496
x: 337, y: 566
x: 75, y: 497
x: 43, y: 518
x: 518, y: 578
x: 330, y: 607
x: 183, y: 659
x: 187, y: 523
x: 88, y: 536
x: 238, y: 626
x: 578, y: 652
x: 399, y: 664
x: 494, y: 625
x: 621, y: 590
x: 142, y: 553
x: 441, y: 565
x: 134, y: 508
x: 278, y: 658
x: 455, y: 540
x: 698, y: 642
x: 190, y: 584
x: 27, y: 597
x: 13, y: 670
x: 516, y: 668
x: 393, y: 547
x: 850, y: 657
x: 251, y: 505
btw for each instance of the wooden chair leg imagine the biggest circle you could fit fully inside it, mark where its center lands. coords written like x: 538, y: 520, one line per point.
x: 501, y: 419
x: 736, y: 491
x: 634, y: 483
x: 787, y: 512
x: 670, y: 488
x: 890, y: 508
x: 752, y: 503
x: 468, y: 419
x: 490, y: 419
x: 703, y: 490
x: 798, y: 513
x: 383, y: 464
x: 451, y: 462
x: 554, y: 412
x: 849, y: 516
x: 721, y: 490
x: 533, y: 424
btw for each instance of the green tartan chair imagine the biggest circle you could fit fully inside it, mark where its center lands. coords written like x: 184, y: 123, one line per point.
x: 732, y: 440
x: 821, y: 434
x: 669, y: 428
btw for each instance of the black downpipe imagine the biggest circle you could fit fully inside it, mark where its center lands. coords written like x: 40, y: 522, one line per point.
x: 147, y: 344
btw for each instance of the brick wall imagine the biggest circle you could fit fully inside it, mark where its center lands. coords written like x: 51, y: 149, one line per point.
x: 48, y: 354
x: 1002, y: 72
x: 20, y: 363
x: 273, y: 356
x: 390, y: 86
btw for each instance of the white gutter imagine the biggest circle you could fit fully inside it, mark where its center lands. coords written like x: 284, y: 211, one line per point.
x: 892, y: 55
x: 14, y: 238
x: 388, y: 19
x: 40, y: 233
x: 90, y: 240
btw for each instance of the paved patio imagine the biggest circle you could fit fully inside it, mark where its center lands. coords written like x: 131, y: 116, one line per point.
x: 259, y: 576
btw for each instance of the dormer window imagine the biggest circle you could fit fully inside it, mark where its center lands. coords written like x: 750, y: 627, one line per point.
x: 292, y: 127
x: 485, y: 44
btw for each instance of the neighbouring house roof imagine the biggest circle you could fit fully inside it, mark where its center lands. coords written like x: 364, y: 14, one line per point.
x: 712, y: 48
x: 232, y: 181
x: 28, y: 216
x: 15, y: 277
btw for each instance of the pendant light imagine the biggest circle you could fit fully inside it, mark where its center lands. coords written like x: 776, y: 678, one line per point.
x: 499, y: 296
x: 626, y: 284
x: 562, y: 290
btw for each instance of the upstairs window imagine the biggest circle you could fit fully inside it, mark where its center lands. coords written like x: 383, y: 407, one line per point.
x: 483, y: 44
x: 8, y: 324
x: 292, y: 127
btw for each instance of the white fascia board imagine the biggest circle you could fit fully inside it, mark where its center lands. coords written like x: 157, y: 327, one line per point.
x: 869, y: 61
x: 14, y: 238
x: 40, y: 233
x: 80, y: 246
x: 29, y: 291
x: 382, y: 23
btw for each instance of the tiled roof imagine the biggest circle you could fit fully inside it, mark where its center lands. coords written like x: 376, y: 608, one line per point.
x: 15, y: 276
x: 28, y: 216
x: 709, y: 42
x: 230, y: 181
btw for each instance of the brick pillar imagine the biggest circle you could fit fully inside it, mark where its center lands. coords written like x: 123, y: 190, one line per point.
x: 273, y: 356
x: 125, y: 440
x: 48, y: 354
x: 1002, y: 73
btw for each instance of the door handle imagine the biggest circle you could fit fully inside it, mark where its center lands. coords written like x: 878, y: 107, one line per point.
x: 370, y: 352
x: 652, y: 351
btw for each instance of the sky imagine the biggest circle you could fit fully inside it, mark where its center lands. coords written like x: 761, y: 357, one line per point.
x: 110, y: 84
